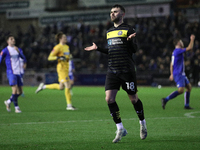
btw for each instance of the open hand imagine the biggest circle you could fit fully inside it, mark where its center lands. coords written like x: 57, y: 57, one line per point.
x: 131, y: 36
x: 171, y: 78
x: 90, y: 48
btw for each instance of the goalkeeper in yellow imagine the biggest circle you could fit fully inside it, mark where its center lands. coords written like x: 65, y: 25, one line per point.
x: 61, y: 53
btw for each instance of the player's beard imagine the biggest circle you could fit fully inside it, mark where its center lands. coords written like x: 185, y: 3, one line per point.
x: 115, y: 19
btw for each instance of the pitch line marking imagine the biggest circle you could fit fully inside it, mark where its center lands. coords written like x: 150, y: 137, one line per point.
x: 71, y: 121
x: 189, y: 115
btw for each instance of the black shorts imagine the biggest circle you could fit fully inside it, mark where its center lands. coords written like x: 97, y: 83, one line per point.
x: 126, y: 80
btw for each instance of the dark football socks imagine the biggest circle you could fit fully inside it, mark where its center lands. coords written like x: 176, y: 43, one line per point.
x: 114, y: 111
x: 14, y: 99
x: 139, y: 109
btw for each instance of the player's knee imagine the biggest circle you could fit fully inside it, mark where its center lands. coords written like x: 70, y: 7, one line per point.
x: 133, y: 98
x: 20, y: 93
x: 189, y: 88
x: 180, y: 90
x: 61, y: 88
x: 109, y: 100
x: 134, y: 101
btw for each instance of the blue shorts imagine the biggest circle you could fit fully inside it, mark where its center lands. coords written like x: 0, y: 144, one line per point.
x: 71, y: 77
x: 15, y: 79
x: 181, y: 80
x: 22, y: 75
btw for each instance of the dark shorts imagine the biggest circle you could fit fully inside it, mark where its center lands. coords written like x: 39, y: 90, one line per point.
x: 126, y: 80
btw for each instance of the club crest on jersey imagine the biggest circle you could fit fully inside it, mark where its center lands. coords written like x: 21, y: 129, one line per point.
x: 120, y: 33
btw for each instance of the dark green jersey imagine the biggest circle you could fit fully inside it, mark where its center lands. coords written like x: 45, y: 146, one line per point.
x: 119, y: 49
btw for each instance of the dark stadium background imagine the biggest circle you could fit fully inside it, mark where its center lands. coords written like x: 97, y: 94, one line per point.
x: 35, y: 23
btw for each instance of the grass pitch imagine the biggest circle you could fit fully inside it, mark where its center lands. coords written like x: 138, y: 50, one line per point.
x: 44, y: 123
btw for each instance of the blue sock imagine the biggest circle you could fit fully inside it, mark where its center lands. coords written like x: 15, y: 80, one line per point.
x: 14, y: 99
x: 172, y: 95
x: 11, y: 98
x: 187, y: 99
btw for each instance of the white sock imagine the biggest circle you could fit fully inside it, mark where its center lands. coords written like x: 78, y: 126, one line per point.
x: 69, y: 105
x: 142, y: 121
x: 119, y: 126
x: 8, y: 101
x: 16, y: 107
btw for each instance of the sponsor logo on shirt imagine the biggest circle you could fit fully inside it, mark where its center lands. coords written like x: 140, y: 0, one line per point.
x: 115, y: 41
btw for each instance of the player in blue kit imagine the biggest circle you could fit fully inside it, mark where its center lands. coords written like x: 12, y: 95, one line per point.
x: 12, y: 56
x: 177, y: 70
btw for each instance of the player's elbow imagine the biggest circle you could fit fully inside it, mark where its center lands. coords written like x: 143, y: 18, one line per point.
x: 188, y: 48
x: 49, y: 58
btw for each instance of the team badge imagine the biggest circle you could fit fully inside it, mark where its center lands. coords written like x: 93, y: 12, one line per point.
x: 120, y: 33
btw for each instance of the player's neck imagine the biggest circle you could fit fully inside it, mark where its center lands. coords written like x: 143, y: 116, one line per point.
x: 61, y: 43
x: 11, y: 45
x: 116, y: 24
x: 177, y: 46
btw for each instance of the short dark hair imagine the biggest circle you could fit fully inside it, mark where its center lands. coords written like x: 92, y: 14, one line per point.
x: 8, y: 36
x: 175, y: 41
x: 119, y: 6
x: 59, y: 36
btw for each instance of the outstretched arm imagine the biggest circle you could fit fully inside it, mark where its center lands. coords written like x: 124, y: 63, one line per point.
x: 190, y: 46
x: 91, y: 48
x: 130, y: 37
x: 94, y: 47
x: 132, y: 44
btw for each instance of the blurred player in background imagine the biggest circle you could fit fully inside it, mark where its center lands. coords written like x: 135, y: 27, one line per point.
x: 12, y: 55
x: 177, y: 70
x: 61, y: 53
x: 71, y: 73
x: 121, y: 70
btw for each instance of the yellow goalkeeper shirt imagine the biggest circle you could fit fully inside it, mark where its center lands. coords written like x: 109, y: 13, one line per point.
x: 60, y: 50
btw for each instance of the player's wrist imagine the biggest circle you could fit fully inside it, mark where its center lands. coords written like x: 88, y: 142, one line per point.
x: 61, y: 57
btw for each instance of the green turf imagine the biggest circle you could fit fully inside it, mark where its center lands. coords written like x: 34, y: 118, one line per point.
x: 44, y: 124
